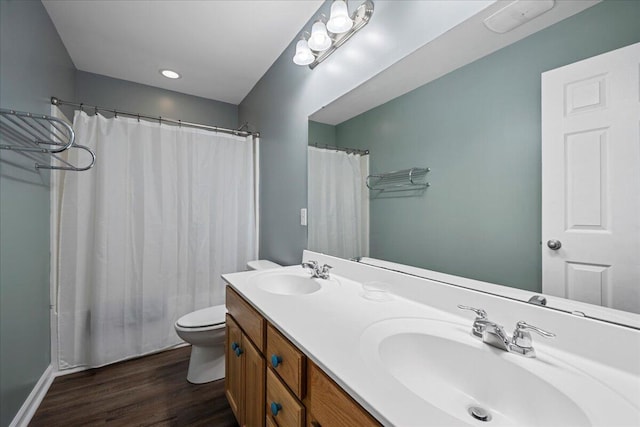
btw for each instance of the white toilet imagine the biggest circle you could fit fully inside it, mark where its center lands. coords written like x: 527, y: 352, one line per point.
x: 204, y: 330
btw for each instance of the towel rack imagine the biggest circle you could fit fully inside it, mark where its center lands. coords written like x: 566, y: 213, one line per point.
x: 37, y: 135
x: 401, y: 180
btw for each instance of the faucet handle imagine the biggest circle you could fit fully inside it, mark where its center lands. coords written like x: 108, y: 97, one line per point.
x: 326, y: 268
x: 480, y: 313
x: 521, y: 340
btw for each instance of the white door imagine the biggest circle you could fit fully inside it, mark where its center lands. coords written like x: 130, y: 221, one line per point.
x: 591, y: 180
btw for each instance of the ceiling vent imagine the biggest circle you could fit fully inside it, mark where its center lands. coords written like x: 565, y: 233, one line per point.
x: 516, y: 14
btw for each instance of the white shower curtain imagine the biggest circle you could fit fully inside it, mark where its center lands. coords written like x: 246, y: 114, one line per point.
x: 146, y: 234
x: 338, y: 201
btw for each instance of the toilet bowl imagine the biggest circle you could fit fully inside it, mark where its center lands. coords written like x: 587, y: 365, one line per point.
x: 205, y: 331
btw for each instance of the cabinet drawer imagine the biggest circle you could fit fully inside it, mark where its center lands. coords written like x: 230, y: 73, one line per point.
x: 329, y: 405
x: 289, y: 412
x: 249, y: 320
x: 286, y: 360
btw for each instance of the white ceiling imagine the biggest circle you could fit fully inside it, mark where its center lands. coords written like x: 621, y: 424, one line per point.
x: 470, y: 41
x: 221, y: 48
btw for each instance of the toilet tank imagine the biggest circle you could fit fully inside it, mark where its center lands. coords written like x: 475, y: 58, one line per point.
x: 261, y: 264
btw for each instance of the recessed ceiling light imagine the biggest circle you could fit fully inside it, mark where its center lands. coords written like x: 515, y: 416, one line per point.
x: 170, y: 74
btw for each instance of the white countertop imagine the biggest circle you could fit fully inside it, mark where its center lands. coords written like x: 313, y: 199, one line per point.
x: 327, y: 326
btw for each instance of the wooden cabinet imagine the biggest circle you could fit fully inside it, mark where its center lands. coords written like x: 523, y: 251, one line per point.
x: 245, y: 365
x: 249, y: 320
x: 254, y: 383
x: 328, y: 405
x: 269, y: 381
x: 282, y: 406
x: 233, y: 383
x: 287, y: 361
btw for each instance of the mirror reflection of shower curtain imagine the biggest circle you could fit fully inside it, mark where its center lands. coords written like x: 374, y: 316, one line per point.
x: 338, y: 202
x: 146, y: 234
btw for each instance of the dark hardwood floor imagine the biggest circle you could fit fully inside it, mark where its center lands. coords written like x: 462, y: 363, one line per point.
x: 149, y: 391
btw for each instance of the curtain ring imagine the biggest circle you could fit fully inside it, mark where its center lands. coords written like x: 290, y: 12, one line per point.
x: 160, y: 120
x: 115, y: 114
x: 138, y: 118
x: 81, y: 110
x: 96, y: 110
x: 179, y: 123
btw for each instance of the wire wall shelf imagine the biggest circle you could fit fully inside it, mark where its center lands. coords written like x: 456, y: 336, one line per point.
x: 403, y: 180
x: 41, y: 138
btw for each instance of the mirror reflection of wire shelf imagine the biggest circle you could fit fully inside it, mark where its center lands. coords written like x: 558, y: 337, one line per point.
x: 40, y: 138
x: 402, y: 180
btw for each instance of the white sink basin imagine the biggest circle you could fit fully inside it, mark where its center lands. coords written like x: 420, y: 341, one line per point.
x: 287, y: 283
x: 442, y: 364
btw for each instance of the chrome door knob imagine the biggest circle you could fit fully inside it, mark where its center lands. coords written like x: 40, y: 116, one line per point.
x: 554, y: 244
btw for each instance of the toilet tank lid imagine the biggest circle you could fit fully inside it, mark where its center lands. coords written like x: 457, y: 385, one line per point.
x: 209, y: 316
x: 261, y: 264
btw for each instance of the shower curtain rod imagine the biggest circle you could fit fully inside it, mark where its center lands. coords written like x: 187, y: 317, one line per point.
x: 348, y: 150
x: 237, y: 132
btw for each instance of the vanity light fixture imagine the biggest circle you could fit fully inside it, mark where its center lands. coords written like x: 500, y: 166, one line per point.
x: 315, y: 48
x: 319, y: 40
x: 170, y: 74
x: 303, y: 55
x: 339, y: 21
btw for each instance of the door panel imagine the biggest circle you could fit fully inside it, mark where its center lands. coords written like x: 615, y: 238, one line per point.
x: 591, y: 180
x: 233, y: 383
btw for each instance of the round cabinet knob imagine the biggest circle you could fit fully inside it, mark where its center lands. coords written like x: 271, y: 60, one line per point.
x: 275, y: 360
x: 238, y: 351
x: 554, y: 244
x: 275, y: 408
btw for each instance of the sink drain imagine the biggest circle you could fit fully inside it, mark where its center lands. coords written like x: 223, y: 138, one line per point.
x: 479, y: 413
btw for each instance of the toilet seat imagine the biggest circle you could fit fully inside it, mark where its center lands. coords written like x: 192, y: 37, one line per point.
x: 210, y: 316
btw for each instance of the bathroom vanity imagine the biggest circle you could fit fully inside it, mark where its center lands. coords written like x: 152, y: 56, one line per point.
x: 292, y: 391
x: 370, y: 346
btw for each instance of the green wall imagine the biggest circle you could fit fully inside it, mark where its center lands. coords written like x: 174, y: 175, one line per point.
x: 280, y: 104
x: 33, y: 65
x: 478, y: 129
x: 322, y: 134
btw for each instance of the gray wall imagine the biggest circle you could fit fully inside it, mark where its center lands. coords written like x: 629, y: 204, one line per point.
x: 33, y: 65
x: 478, y: 128
x: 321, y: 134
x: 280, y: 103
x: 138, y: 98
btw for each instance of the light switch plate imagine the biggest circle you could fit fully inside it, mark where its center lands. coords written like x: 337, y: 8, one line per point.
x: 303, y: 216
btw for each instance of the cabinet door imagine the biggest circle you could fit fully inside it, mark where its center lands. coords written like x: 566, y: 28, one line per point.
x: 233, y: 383
x: 254, y: 385
x: 330, y: 406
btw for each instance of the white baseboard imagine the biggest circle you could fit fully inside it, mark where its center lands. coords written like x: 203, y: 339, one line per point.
x: 30, y: 406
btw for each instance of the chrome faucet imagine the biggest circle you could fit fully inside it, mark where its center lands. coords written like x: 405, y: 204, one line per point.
x: 495, y: 335
x: 317, y: 272
x: 521, y: 340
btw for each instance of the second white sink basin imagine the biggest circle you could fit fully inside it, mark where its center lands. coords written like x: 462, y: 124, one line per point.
x: 287, y: 283
x: 444, y: 365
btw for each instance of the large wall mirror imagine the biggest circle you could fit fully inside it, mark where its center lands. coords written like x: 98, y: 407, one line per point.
x: 465, y: 149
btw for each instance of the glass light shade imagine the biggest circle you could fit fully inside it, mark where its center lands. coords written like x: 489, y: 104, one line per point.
x: 303, y: 55
x: 319, y: 40
x: 339, y: 22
